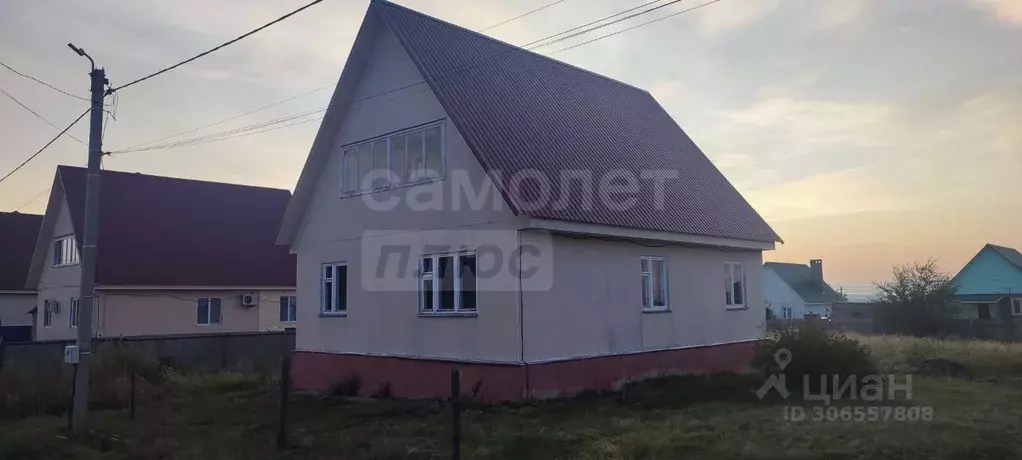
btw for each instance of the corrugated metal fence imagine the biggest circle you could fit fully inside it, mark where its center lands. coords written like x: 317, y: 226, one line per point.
x: 240, y: 351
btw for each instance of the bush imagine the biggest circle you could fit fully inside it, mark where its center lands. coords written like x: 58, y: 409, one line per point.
x: 346, y: 387
x: 813, y: 351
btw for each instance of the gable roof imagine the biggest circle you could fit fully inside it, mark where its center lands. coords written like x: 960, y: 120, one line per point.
x: 1010, y: 254
x: 162, y: 231
x: 19, y: 232
x: 521, y: 111
x: 800, y: 278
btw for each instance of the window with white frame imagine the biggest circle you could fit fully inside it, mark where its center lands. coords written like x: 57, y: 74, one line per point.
x: 1016, y: 306
x: 447, y: 283
x: 334, y: 289
x: 653, y: 272
x: 734, y: 284
x: 65, y: 251
x: 410, y: 156
x: 48, y: 313
x: 288, y: 309
x: 208, y: 311
x: 73, y: 313
x: 786, y: 312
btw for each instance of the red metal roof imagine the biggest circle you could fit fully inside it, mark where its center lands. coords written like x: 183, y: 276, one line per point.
x: 18, y: 233
x: 162, y: 231
x: 520, y: 111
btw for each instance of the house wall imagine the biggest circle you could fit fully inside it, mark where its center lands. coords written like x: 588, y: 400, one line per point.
x: 594, y: 307
x: 780, y: 295
x: 58, y: 283
x: 382, y: 315
x: 989, y: 273
x: 269, y: 311
x: 14, y: 308
x: 156, y: 312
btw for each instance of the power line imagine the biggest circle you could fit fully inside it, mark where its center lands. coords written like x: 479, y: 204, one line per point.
x: 548, y: 5
x: 235, y: 117
x: 45, y: 146
x: 528, y: 47
x: 637, y: 26
x: 38, y: 195
x: 211, y: 50
x: 33, y: 112
x: 44, y: 83
x: 602, y: 19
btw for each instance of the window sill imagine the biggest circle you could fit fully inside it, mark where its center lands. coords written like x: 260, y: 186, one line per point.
x: 64, y: 265
x: 392, y: 187
x: 453, y: 314
x: 656, y: 310
x: 737, y: 307
x: 333, y: 314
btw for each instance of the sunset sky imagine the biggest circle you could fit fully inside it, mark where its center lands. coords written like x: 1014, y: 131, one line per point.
x: 867, y: 132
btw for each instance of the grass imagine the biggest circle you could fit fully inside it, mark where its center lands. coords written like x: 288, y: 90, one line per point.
x: 981, y: 358
x: 233, y: 417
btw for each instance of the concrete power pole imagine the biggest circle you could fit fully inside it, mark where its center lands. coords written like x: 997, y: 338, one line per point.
x: 90, y: 235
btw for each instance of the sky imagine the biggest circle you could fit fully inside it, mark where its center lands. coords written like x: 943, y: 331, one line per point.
x: 868, y: 133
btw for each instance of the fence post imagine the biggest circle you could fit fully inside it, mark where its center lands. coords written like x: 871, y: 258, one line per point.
x: 455, y: 414
x: 131, y: 397
x: 285, y: 387
x: 70, y: 401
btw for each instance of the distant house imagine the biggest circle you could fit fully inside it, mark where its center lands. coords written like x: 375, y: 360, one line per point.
x: 177, y: 256
x: 990, y: 284
x: 18, y: 234
x: 793, y: 291
x: 402, y: 278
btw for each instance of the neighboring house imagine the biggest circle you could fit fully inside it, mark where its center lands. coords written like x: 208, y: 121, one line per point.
x: 990, y: 285
x: 794, y: 291
x: 176, y: 256
x: 532, y: 287
x: 18, y: 233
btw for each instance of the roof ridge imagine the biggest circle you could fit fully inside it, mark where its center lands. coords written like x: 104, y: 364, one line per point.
x: 179, y: 179
x: 512, y: 45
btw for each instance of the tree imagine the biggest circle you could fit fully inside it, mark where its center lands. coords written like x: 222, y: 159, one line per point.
x: 917, y: 300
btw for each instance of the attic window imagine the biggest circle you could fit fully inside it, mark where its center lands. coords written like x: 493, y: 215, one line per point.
x: 407, y: 157
x: 65, y: 251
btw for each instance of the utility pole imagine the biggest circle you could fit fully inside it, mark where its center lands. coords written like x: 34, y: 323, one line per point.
x: 80, y: 408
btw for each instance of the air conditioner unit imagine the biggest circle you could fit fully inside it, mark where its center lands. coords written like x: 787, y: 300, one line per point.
x: 250, y: 299
x: 53, y: 306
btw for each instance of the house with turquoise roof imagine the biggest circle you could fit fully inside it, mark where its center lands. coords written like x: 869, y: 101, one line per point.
x: 990, y: 285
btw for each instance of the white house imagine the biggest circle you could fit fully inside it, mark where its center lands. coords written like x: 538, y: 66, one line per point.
x: 469, y: 204
x: 794, y: 291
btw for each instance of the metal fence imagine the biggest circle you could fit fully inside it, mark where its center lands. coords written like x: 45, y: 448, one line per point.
x: 239, y: 351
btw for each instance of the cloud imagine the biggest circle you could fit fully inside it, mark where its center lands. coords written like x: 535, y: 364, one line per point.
x: 1005, y: 10
x: 725, y: 16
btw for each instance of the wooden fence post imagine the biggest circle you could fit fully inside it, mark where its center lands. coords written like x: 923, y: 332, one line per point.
x: 455, y: 414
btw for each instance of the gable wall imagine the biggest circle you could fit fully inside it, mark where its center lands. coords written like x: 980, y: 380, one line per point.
x: 58, y: 283
x: 989, y: 273
x: 779, y: 295
x: 386, y: 321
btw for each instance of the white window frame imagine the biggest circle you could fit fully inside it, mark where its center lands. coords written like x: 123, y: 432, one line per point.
x: 72, y: 312
x: 431, y: 276
x: 288, y: 306
x: 65, y: 243
x: 646, y: 275
x: 354, y: 147
x: 786, y: 313
x: 329, y: 304
x: 1016, y: 306
x: 729, y: 301
x: 209, y: 311
x: 47, y: 313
